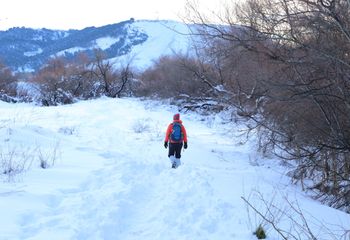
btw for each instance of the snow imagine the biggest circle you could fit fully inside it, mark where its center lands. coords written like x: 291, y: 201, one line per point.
x: 27, y: 88
x: 105, y: 42
x: 69, y: 50
x: 164, y: 38
x: 33, y: 53
x: 102, y: 43
x: 110, y: 177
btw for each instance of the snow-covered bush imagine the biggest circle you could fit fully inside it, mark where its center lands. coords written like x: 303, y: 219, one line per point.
x: 69, y: 130
x: 142, y: 125
x: 48, y: 157
x: 14, y: 161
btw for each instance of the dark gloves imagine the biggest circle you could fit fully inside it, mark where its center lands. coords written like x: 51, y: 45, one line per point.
x: 166, y: 144
x: 185, y: 145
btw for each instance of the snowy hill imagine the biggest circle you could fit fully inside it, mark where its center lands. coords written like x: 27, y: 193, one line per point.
x: 164, y: 38
x: 27, y: 49
x: 108, y: 176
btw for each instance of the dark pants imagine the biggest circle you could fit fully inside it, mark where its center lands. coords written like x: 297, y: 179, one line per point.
x: 175, y: 149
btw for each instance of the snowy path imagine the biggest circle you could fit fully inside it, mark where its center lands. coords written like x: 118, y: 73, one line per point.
x: 115, y: 182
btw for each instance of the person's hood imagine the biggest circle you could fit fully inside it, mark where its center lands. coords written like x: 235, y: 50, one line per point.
x: 176, y: 116
x: 177, y: 121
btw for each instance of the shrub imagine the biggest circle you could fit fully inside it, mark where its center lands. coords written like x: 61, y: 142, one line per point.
x: 173, y: 76
x: 260, y: 232
x: 141, y: 125
x: 14, y: 162
x: 48, y: 158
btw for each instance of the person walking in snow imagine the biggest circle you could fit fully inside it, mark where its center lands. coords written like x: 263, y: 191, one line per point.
x: 176, y: 137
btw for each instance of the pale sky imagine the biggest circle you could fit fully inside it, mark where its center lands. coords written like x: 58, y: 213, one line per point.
x: 78, y: 14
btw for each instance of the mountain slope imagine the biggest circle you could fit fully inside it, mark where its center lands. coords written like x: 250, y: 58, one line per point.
x: 27, y: 49
x: 164, y: 38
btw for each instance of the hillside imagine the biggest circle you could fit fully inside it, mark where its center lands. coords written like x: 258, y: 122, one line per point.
x: 25, y: 49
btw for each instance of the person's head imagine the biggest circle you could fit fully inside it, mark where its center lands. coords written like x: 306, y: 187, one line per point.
x: 176, y: 116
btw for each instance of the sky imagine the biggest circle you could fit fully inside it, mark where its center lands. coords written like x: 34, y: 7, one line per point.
x: 78, y: 14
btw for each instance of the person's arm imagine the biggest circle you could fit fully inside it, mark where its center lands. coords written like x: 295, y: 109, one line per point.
x: 184, y: 133
x: 185, y: 136
x: 168, y: 132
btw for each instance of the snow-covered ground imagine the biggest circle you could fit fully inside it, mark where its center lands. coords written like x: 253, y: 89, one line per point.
x: 111, y: 178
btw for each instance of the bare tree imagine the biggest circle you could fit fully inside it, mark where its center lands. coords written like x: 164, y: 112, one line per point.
x: 51, y: 80
x: 287, y: 64
x: 289, y: 220
x: 110, y: 80
x: 126, y: 76
x: 61, y: 80
x: 173, y: 76
x: 8, y: 83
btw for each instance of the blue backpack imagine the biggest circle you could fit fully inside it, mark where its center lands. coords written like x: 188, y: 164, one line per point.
x: 176, y: 134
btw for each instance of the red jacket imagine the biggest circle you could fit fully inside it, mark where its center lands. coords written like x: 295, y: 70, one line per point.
x: 170, y: 128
